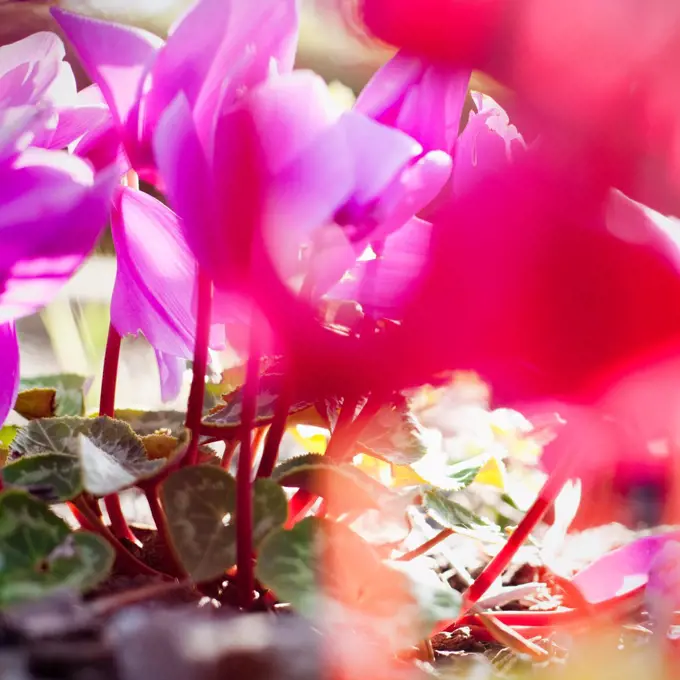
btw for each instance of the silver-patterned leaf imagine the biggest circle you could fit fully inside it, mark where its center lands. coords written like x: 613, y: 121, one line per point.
x: 111, y: 456
x: 51, y: 477
x: 39, y: 554
x: 199, y: 504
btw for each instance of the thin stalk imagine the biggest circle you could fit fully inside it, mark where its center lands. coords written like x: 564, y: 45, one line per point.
x: 151, y: 493
x: 536, y: 512
x: 228, y: 455
x: 275, y: 434
x: 426, y: 547
x: 107, y: 405
x: 200, y: 366
x: 245, y: 580
x: 87, y: 519
x: 345, y: 434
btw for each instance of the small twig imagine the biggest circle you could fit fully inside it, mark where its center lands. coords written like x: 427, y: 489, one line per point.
x: 510, y: 637
x: 151, y: 494
x: 427, y: 546
x: 104, y: 606
x: 87, y: 519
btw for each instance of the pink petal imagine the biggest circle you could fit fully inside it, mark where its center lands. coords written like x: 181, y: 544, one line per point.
x: 385, y: 285
x: 116, y: 57
x: 188, y: 182
x: 171, y: 371
x: 29, y: 67
x: 487, y: 143
x: 422, y: 99
x: 621, y: 571
x: 154, y: 289
x: 9, y: 374
x: 52, y: 211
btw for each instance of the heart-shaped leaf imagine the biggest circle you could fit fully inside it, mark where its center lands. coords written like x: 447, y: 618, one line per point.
x: 393, y: 434
x: 344, y: 487
x: 70, y: 391
x: 110, y: 455
x: 199, y: 504
x: 228, y: 414
x: 449, y: 513
x: 436, y: 600
x: 150, y: 422
x: 39, y: 554
x: 52, y: 477
x: 37, y: 402
x: 325, y: 570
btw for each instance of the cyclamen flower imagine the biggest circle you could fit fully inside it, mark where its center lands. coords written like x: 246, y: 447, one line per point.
x: 140, y: 75
x: 52, y: 206
x: 623, y: 111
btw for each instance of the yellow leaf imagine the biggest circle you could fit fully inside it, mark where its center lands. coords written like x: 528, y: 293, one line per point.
x: 307, y: 416
x: 405, y: 475
x: 314, y: 443
x: 4, y: 452
x: 492, y: 473
x: 38, y: 402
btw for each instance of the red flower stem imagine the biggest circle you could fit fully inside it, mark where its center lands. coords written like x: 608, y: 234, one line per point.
x: 151, y: 493
x: 107, y: 404
x: 425, y: 547
x: 107, y: 398
x: 496, y: 567
x: 245, y: 580
x: 345, y: 435
x: 275, y: 434
x: 125, y: 559
x: 200, y: 366
x: 298, y: 506
x: 229, y: 451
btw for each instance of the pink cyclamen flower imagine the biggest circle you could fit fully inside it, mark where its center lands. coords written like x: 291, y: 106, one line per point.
x: 602, y: 71
x: 289, y: 172
x: 140, y: 75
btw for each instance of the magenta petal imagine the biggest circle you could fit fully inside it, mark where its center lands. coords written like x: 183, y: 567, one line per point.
x: 52, y: 211
x: 380, y: 153
x: 385, y: 285
x: 116, y: 57
x: 9, y: 370
x: 183, y: 165
x: 621, y: 571
x: 422, y: 99
x: 19, y: 127
x: 29, y: 67
x: 74, y: 122
x: 171, y: 370
x: 154, y: 289
x: 417, y: 186
x: 487, y: 143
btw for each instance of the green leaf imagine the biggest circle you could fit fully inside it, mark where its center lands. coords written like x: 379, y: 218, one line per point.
x: 327, y: 572
x: 394, y: 435
x: 70, y: 391
x: 110, y: 455
x: 228, y: 415
x: 52, y: 477
x: 462, y: 474
x: 149, y: 422
x: 39, y: 554
x: 449, y: 513
x: 199, y: 504
x: 344, y: 487
x: 436, y: 600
